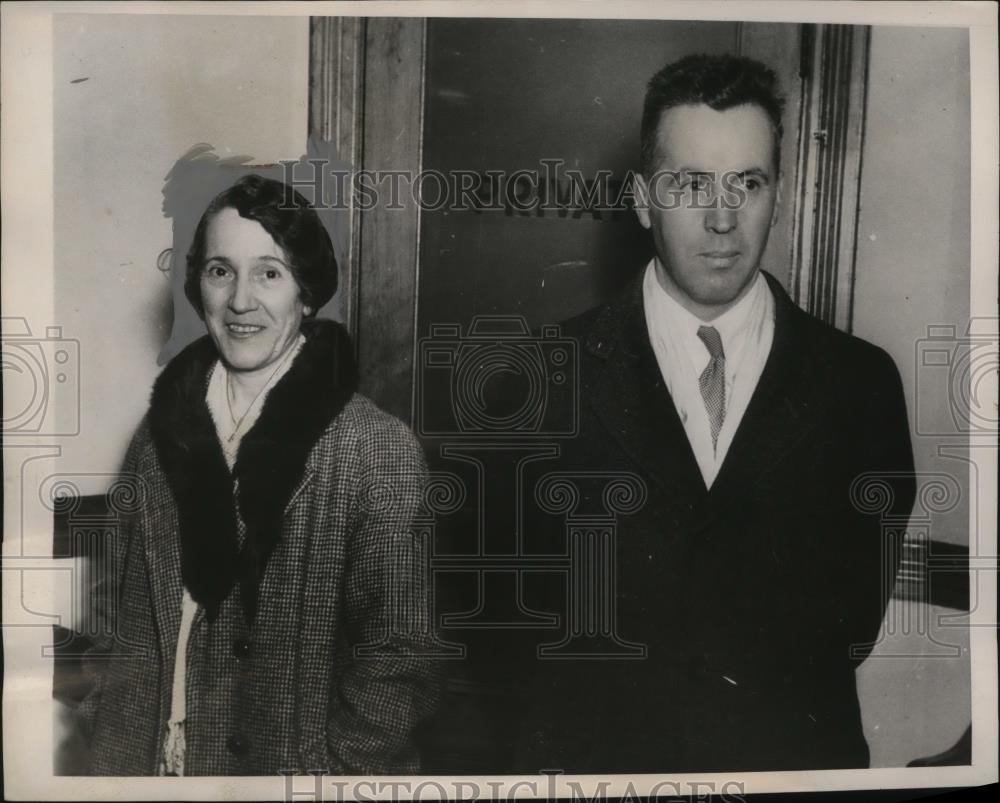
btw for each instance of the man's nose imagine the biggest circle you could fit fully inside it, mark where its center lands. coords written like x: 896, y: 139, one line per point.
x: 242, y: 298
x: 720, y: 220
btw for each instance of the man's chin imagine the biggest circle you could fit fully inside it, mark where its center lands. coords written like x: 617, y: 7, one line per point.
x: 724, y: 292
x: 719, y: 299
x: 708, y: 303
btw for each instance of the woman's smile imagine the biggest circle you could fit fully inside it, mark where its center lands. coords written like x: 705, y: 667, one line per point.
x: 243, y: 330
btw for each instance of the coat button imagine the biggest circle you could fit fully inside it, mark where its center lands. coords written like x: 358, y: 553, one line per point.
x: 241, y: 648
x: 237, y: 745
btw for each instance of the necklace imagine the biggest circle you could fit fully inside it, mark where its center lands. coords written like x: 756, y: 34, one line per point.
x: 238, y: 423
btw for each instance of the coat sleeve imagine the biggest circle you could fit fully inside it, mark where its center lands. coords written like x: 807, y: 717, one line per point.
x: 882, y: 493
x: 106, y: 593
x: 392, y: 678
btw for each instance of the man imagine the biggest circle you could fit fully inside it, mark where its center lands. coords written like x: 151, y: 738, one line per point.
x: 751, y: 575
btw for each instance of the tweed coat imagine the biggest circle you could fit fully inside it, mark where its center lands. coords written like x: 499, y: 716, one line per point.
x: 311, y: 653
x: 753, y: 600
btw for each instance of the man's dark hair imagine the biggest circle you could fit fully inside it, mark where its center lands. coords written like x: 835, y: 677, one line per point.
x: 292, y: 223
x: 719, y: 82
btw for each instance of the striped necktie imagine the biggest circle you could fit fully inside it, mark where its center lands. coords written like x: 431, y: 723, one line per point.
x: 713, y: 380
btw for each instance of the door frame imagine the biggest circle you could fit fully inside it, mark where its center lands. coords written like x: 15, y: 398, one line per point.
x: 367, y: 80
x: 366, y: 94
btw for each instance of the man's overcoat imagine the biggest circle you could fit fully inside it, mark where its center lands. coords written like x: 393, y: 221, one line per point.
x: 754, y: 601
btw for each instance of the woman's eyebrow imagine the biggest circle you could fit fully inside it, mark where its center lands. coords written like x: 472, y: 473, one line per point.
x: 263, y: 258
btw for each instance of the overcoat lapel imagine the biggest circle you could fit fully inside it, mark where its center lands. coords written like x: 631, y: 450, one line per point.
x: 303, y: 483
x: 633, y: 403
x: 784, y: 408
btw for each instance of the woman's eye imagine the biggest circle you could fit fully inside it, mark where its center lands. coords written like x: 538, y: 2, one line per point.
x: 268, y: 273
x: 216, y: 272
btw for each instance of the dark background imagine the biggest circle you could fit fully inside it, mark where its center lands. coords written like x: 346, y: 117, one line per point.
x: 505, y: 94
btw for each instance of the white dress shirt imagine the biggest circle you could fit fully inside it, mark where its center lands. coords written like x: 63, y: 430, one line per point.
x: 747, y: 331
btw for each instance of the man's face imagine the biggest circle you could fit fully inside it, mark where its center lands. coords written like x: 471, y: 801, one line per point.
x: 711, y: 203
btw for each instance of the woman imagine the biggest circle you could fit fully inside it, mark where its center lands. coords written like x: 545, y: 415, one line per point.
x: 259, y: 581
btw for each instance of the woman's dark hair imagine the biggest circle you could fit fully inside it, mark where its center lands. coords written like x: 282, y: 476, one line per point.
x: 292, y: 223
x: 720, y: 82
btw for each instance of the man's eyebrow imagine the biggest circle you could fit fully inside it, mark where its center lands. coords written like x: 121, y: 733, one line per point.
x: 758, y: 172
x: 752, y: 172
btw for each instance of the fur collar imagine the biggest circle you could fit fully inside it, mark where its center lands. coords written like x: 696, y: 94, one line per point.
x: 268, y: 468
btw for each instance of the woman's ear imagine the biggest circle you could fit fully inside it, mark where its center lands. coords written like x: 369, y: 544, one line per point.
x: 307, y: 311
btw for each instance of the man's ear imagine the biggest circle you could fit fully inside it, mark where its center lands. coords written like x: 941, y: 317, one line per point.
x: 777, y: 199
x: 641, y: 200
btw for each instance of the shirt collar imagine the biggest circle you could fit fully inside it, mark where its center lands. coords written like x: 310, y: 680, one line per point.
x: 732, y: 325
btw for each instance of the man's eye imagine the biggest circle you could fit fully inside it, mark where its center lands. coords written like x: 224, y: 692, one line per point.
x: 698, y: 182
x: 752, y: 184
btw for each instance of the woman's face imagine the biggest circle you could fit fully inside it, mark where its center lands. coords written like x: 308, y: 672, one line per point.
x: 251, y: 300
